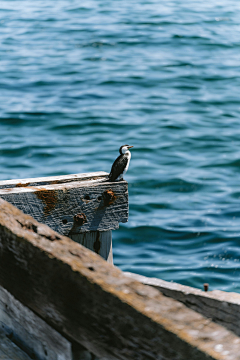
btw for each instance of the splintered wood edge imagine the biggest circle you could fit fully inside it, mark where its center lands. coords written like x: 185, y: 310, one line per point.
x: 76, y: 292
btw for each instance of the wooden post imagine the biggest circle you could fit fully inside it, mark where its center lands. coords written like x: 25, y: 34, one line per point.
x: 85, y: 207
x: 98, y: 241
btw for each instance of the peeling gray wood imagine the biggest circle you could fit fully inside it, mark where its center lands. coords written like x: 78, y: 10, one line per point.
x: 97, y: 241
x: 29, y: 332
x: 222, y: 307
x: 56, y: 200
x: 92, y: 303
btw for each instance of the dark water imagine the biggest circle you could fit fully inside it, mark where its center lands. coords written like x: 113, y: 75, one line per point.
x: 79, y: 79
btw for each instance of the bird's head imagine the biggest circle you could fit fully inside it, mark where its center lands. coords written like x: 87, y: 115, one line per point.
x: 124, y: 148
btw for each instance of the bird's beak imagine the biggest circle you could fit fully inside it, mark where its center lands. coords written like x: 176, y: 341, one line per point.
x: 129, y: 147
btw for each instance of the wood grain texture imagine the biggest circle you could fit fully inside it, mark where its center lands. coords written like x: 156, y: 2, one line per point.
x: 55, y: 201
x: 10, y: 351
x: 222, y: 307
x: 93, y: 303
x: 97, y: 241
x: 48, y: 180
x: 31, y: 333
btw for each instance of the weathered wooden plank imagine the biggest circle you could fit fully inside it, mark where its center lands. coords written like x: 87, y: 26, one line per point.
x: 222, y: 307
x: 71, y: 204
x: 48, y: 180
x: 9, y: 350
x: 29, y: 332
x: 93, y: 303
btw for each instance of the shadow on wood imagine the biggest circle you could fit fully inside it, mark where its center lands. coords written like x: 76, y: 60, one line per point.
x: 56, y: 201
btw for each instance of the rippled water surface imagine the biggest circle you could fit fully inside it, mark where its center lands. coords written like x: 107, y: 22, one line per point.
x: 80, y: 78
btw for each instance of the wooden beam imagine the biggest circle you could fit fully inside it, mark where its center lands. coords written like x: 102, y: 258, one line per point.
x: 9, y: 350
x: 70, y: 204
x: 222, y: 307
x: 91, y: 302
x: 29, y: 332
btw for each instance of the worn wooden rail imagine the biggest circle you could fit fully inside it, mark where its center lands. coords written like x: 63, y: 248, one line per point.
x: 92, y: 303
x: 85, y: 207
x: 220, y: 306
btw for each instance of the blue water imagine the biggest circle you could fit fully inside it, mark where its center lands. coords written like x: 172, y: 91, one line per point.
x: 79, y: 79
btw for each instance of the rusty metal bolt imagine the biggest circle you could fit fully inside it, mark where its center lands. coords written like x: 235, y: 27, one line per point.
x: 206, y: 285
x: 80, y: 219
x: 108, y: 197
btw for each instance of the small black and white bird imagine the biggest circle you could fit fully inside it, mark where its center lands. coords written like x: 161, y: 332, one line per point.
x: 121, y: 164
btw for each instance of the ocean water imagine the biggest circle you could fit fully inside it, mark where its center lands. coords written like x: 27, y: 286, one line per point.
x: 79, y: 79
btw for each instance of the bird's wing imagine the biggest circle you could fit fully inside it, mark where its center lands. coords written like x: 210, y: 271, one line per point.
x: 118, y: 167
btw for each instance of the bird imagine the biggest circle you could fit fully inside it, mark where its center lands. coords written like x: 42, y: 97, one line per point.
x: 121, y: 164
